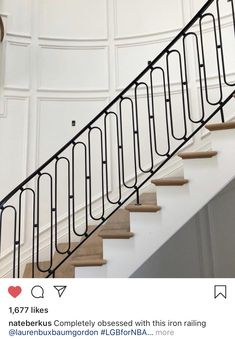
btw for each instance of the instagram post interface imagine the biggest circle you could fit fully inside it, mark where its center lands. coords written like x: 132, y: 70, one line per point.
x: 117, y: 176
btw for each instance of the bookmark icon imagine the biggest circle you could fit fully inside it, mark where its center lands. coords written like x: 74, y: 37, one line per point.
x: 60, y: 289
x: 220, y: 291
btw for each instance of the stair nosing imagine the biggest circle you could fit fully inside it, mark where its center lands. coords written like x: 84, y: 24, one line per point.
x: 143, y: 208
x: 197, y: 154
x: 169, y: 181
x: 88, y: 262
x: 221, y: 126
x: 115, y: 234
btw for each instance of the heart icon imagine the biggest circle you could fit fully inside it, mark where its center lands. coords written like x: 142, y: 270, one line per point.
x: 14, y: 291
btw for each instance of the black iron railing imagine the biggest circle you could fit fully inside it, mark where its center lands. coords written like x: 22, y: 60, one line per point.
x: 126, y: 143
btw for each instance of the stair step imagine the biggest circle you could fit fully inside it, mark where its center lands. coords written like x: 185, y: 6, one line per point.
x: 197, y: 155
x: 119, y: 220
x: 117, y: 226
x: 88, y: 262
x: 169, y: 181
x: 148, y: 203
x: 92, y: 247
x: 113, y: 234
x: 221, y: 126
x: 89, y: 254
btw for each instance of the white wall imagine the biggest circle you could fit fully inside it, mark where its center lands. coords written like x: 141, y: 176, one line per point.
x: 203, y: 248
x: 65, y: 62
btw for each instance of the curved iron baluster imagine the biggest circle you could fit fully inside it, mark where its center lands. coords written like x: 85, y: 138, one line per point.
x: 76, y: 144
x: 137, y: 131
x: 203, y: 65
x: 106, y: 137
x: 52, y: 209
x: 155, y: 115
x: 69, y: 197
x: 16, y: 241
x: 200, y: 76
x: 169, y: 100
x: 121, y: 146
x: 90, y: 173
x: 33, y: 225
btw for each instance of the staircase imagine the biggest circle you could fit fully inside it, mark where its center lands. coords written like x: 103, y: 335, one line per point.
x: 179, y: 200
x: 128, y: 226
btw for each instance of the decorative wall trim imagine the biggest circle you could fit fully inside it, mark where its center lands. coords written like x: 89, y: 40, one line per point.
x: 11, y: 97
x: 7, y: 98
x: 59, y: 99
x: 72, y: 99
x: 158, y: 35
x: 132, y: 45
x: 145, y: 41
x: 73, y: 48
x: 226, y: 21
x: 19, y: 35
x: 72, y: 90
x: 214, y: 76
x: 24, y: 44
x: 116, y: 37
x: 81, y: 39
x: 69, y: 40
x: 14, y: 88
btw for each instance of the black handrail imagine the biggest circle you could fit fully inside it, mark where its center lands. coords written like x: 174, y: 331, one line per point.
x: 120, y: 96
x: 127, y: 113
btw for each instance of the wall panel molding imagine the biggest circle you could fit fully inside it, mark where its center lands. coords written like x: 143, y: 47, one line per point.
x: 17, y: 70
x: 19, y: 17
x: 17, y: 35
x: 48, y: 39
x: 139, y: 35
x: 52, y: 70
x: 152, y: 49
x: 98, y: 102
x: 76, y: 34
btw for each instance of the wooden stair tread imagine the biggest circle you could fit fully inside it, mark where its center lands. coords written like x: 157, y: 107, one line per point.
x: 115, y: 234
x: 37, y: 273
x: 63, y: 246
x: 88, y: 262
x: 90, y: 253
x: 197, y: 155
x: 120, y: 219
x: 143, y: 208
x: 117, y: 226
x: 148, y: 198
x: 177, y: 181
x: 148, y: 203
x: 221, y: 126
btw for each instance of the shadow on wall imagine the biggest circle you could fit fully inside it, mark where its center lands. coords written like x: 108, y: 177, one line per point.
x: 203, y: 248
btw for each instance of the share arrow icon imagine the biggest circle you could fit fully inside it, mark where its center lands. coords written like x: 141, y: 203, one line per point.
x: 60, y: 290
